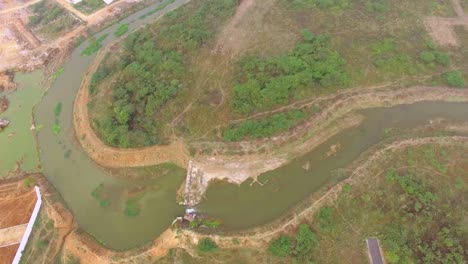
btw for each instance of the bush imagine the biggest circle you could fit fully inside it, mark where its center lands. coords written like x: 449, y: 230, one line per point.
x: 454, y: 79
x: 378, y: 6
x: 324, y: 4
x: 122, y: 29
x: 280, y: 247
x: 131, y: 208
x: 94, y: 46
x: 306, y: 240
x: 263, y: 83
x: 441, y: 58
x: 427, y: 56
x: 266, y: 127
x: 207, y: 245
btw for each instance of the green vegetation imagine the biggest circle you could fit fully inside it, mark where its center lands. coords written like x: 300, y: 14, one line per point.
x: 94, y: 46
x: 56, y: 127
x: 51, y: 19
x: 189, y: 33
x: 143, y: 86
x: 323, y: 4
x: 122, y: 29
x: 378, y: 6
x: 265, y: 127
x: 211, y: 223
x: 207, y: 245
x: 56, y: 74
x: 132, y: 208
x: 89, y: 6
x: 41, y: 244
x: 264, y: 83
x: 158, y: 8
x: 29, y: 182
x: 389, y: 59
x: 97, y: 193
x: 305, y: 243
x: 149, y: 72
x: 281, y: 246
x: 454, y: 79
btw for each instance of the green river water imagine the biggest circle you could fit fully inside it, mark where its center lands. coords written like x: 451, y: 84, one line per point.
x: 75, y: 176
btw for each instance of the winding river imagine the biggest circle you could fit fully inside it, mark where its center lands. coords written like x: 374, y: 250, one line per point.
x: 75, y: 176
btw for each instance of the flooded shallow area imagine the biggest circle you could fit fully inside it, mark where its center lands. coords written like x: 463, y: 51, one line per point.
x: 102, y: 213
x: 17, y: 143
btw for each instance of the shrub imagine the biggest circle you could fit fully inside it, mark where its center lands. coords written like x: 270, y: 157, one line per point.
x: 122, y: 29
x: 427, y: 56
x: 280, y: 247
x: 266, y: 127
x: 131, y: 208
x: 263, y: 83
x: 454, y: 79
x: 306, y: 240
x: 94, y: 46
x: 378, y: 6
x: 207, y: 245
x: 442, y: 58
x: 324, y: 4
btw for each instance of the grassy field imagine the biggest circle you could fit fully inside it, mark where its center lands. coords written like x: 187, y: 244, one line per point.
x: 90, y: 6
x: 221, y: 69
x: 414, y: 204
x: 50, y: 20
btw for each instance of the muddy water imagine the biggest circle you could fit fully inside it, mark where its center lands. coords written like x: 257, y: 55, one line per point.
x: 17, y: 142
x: 76, y: 177
x: 246, y: 206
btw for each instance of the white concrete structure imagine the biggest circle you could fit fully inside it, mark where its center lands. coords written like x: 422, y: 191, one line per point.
x: 29, y: 228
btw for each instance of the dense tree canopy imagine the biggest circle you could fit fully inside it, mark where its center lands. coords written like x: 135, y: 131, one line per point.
x: 266, y: 82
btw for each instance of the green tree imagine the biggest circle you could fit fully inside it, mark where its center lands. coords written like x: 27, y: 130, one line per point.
x: 454, y: 79
x: 306, y: 240
x: 280, y: 247
x: 207, y: 245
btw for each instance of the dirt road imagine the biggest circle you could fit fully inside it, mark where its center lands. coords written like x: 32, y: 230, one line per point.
x: 15, y: 8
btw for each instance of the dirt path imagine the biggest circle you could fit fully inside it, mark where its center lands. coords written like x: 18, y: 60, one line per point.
x: 11, y: 235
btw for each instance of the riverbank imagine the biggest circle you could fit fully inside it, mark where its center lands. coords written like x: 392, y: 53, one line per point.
x: 82, y: 247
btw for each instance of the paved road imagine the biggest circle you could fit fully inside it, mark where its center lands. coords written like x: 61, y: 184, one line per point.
x: 374, y: 251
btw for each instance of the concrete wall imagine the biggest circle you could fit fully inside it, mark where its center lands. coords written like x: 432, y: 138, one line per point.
x: 29, y: 228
